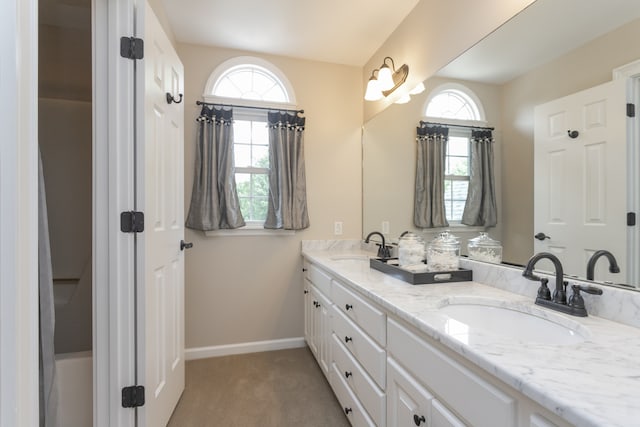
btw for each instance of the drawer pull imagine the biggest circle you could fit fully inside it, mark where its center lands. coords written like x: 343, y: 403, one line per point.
x: 347, y: 339
x: 348, y: 410
x: 347, y: 374
x: 306, y: 291
x: 348, y: 307
x: 419, y: 419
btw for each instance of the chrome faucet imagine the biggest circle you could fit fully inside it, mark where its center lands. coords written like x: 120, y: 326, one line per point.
x: 591, y: 265
x: 575, y: 304
x: 383, y: 249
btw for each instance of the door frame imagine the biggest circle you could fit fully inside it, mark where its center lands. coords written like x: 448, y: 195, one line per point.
x: 19, y: 341
x: 114, y: 296
x: 631, y: 72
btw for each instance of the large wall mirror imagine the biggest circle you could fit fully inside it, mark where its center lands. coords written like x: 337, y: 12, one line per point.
x: 549, y: 51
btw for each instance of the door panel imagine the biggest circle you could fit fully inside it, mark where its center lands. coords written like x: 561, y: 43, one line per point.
x: 580, y: 183
x: 161, y: 340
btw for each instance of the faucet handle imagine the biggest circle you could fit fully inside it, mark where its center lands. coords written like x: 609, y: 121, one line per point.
x: 543, y: 291
x: 576, y: 300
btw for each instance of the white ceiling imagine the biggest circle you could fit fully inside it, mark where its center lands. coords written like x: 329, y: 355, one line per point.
x: 544, y: 31
x: 338, y: 31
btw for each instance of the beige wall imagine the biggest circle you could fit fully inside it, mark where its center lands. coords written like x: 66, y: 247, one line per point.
x: 245, y: 289
x: 433, y: 34
x: 585, y: 67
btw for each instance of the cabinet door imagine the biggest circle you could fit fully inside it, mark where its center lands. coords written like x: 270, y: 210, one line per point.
x: 308, y: 312
x: 322, y: 322
x: 311, y: 310
x: 442, y: 417
x: 408, y: 403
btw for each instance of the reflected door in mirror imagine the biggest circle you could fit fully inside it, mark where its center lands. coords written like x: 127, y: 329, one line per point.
x: 580, y: 182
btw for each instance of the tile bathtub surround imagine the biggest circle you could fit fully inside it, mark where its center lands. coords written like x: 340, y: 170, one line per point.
x: 616, y: 304
x: 594, y: 383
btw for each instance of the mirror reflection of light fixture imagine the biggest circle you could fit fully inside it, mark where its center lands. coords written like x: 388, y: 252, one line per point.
x: 388, y: 80
x: 418, y: 89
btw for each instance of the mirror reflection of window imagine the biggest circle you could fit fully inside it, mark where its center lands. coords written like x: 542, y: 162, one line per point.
x: 456, y: 104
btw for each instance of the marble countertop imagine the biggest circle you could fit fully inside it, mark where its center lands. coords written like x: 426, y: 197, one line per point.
x: 594, y: 383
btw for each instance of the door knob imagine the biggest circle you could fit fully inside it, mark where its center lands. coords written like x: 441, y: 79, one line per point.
x: 185, y: 245
x: 541, y: 236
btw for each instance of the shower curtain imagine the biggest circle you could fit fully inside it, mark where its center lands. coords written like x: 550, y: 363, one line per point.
x: 47, y: 377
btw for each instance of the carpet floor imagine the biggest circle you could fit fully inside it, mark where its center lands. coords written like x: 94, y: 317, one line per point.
x: 283, y: 388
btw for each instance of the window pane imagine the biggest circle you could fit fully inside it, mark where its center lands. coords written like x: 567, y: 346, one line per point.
x: 242, y: 131
x: 227, y: 89
x: 458, y: 146
x: 276, y: 93
x: 459, y: 190
x: 260, y: 208
x: 243, y: 184
x: 456, y: 211
x: 260, y: 185
x: 262, y: 83
x: 458, y: 166
x: 260, y: 133
x: 242, y: 155
x: 242, y: 79
x: 260, y: 156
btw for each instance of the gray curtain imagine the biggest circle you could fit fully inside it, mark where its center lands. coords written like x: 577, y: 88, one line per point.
x: 214, y: 199
x: 287, y: 207
x: 429, y: 209
x: 480, y: 208
x: 47, y: 374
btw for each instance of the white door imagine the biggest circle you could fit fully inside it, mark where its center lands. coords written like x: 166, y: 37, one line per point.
x: 580, y: 183
x: 161, y: 304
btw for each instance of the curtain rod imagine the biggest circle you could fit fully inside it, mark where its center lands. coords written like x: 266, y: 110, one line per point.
x: 251, y: 107
x: 457, y: 126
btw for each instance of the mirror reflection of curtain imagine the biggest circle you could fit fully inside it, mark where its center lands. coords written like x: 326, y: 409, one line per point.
x: 47, y: 371
x: 287, y: 207
x: 214, y: 199
x: 429, y: 208
x: 480, y: 208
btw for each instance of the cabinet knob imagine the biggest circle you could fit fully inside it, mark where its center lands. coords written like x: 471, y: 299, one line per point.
x: 348, y: 307
x: 306, y: 291
x: 304, y: 269
x: 315, y: 304
x: 348, y: 410
x: 419, y: 419
x: 347, y: 374
x: 347, y: 339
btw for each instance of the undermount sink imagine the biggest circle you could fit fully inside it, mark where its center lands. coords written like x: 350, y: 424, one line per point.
x: 466, y: 316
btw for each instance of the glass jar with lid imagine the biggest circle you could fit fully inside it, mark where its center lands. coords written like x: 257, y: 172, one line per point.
x: 443, y: 253
x: 484, y: 248
x: 410, y: 250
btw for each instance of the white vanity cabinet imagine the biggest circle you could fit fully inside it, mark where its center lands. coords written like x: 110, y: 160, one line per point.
x: 317, y: 315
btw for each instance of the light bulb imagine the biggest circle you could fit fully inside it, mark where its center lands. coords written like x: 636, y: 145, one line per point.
x: 418, y: 89
x: 403, y: 99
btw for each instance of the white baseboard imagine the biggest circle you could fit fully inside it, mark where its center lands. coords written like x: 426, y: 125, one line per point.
x: 242, y: 348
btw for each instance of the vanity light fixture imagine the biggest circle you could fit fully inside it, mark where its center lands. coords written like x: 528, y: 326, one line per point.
x: 388, y: 79
x: 418, y: 89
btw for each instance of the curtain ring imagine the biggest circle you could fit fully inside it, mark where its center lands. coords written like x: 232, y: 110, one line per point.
x: 171, y: 99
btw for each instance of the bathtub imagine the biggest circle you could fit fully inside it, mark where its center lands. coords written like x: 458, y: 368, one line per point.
x: 75, y: 389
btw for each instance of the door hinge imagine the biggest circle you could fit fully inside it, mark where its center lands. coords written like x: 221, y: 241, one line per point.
x: 132, y: 222
x: 133, y: 396
x: 631, y: 219
x: 131, y: 47
x: 631, y: 110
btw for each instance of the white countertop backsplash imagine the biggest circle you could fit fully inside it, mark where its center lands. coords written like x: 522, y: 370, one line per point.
x: 595, y: 383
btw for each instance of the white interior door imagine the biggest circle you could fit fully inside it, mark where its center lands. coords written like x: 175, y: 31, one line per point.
x: 580, y: 183
x: 161, y: 348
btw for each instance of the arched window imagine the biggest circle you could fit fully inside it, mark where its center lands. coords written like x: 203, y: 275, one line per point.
x: 249, y: 79
x: 453, y: 103
x: 250, y: 82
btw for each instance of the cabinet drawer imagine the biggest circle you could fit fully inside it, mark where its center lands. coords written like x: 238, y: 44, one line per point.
x: 319, y: 278
x: 364, y: 314
x: 476, y: 400
x: 371, y: 397
x: 350, y: 405
x: 365, y: 350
